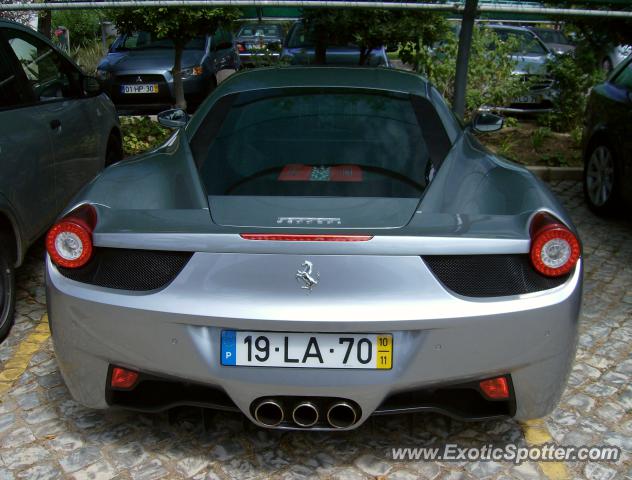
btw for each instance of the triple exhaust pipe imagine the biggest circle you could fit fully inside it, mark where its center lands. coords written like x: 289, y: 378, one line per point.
x: 305, y: 414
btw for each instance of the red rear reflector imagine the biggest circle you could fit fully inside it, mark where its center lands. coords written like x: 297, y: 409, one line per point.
x: 305, y: 238
x: 495, y: 388
x: 123, y: 378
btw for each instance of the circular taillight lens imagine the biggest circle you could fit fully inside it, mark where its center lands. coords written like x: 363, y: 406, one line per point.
x: 69, y: 243
x: 554, y: 250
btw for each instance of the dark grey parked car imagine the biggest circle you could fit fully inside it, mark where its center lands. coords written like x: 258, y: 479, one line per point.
x: 259, y: 40
x: 298, y: 49
x: 137, y: 71
x: 56, y: 133
x: 607, y: 142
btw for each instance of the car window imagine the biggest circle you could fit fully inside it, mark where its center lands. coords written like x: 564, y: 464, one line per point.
x: 300, y: 39
x: 11, y: 93
x: 222, y: 40
x: 50, y: 76
x: 258, y: 30
x: 624, y: 78
x: 320, y: 142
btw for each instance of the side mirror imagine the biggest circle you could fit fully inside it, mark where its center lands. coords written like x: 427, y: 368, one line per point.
x: 174, y: 118
x: 91, y: 86
x: 485, y: 122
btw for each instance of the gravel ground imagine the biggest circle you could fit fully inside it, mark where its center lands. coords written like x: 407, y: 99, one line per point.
x: 44, y: 434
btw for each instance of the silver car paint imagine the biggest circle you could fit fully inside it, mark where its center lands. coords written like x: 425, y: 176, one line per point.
x: 438, y: 337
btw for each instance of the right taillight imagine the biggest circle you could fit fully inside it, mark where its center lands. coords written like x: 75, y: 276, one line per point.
x: 69, y: 241
x: 554, y: 248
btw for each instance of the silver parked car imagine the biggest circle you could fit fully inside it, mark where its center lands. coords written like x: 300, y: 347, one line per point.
x: 56, y: 133
x: 137, y: 71
x: 531, y: 60
x: 315, y: 246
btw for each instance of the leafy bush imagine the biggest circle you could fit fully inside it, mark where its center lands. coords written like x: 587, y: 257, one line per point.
x: 490, y: 81
x: 87, y: 56
x: 84, y: 25
x: 141, y: 134
x: 539, y: 136
x: 572, y: 83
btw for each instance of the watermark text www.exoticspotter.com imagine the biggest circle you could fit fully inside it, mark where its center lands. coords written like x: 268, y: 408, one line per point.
x: 547, y: 452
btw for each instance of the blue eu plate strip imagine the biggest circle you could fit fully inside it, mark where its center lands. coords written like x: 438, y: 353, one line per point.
x: 229, y: 347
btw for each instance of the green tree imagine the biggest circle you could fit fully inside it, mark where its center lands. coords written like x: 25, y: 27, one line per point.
x: 490, y: 78
x: 369, y: 29
x: 83, y: 25
x: 180, y: 25
x: 597, y: 34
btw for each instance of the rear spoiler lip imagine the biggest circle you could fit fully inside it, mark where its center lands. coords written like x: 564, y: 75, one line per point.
x: 387, y: 245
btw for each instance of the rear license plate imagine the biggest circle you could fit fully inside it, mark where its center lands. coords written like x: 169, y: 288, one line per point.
x: 528, y: 99
x: 141, y: 88
x: 307, y: 350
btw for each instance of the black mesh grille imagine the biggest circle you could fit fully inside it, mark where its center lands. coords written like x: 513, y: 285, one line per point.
x: 489, y: 275
x: 123, y: 269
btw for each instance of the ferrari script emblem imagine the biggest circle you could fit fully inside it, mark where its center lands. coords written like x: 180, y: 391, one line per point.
x: 304, y: 276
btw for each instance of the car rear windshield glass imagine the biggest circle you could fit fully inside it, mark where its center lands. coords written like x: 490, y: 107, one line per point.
x: 552, y: 36
x: 526, y: 43
x: 320, y: 142
x: 258, y: 30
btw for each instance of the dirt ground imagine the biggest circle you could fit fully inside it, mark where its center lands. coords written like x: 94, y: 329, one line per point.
x: 529, y: 144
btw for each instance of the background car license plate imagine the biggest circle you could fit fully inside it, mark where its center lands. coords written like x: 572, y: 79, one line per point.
x: 528, y: 99
x: 308, y: 350
x: 141, y: 88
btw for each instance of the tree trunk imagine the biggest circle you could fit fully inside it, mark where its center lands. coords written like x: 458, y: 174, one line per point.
x: 178, y: 86
x: 365, y: 55
x: 320, y: 52
x: 44, y: 23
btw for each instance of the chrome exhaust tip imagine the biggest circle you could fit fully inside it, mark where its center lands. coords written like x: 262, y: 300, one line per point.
x: 269, y: 413
x: 341, y: 415
x: 305, y: 414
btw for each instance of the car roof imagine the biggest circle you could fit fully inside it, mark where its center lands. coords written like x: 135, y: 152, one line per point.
x: 497, y: 26
x: 379, y: 78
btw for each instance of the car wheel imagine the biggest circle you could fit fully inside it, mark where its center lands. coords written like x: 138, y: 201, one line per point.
x: 7, y: 291
x: 606, y: 65
x: 600, y: 186
x: 114, y: 152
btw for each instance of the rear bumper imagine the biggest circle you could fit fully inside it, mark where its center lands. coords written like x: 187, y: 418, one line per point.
x: 439, y: 339
x: 252, y: 57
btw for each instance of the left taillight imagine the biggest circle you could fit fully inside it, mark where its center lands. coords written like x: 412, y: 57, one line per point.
x: 554, y: 248
x: 69, y: 241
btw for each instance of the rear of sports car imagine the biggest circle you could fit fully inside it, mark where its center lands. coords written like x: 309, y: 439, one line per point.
x: 312, y: 253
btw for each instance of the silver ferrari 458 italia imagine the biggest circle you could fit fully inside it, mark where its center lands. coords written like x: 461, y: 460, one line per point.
x: 315, y: 246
